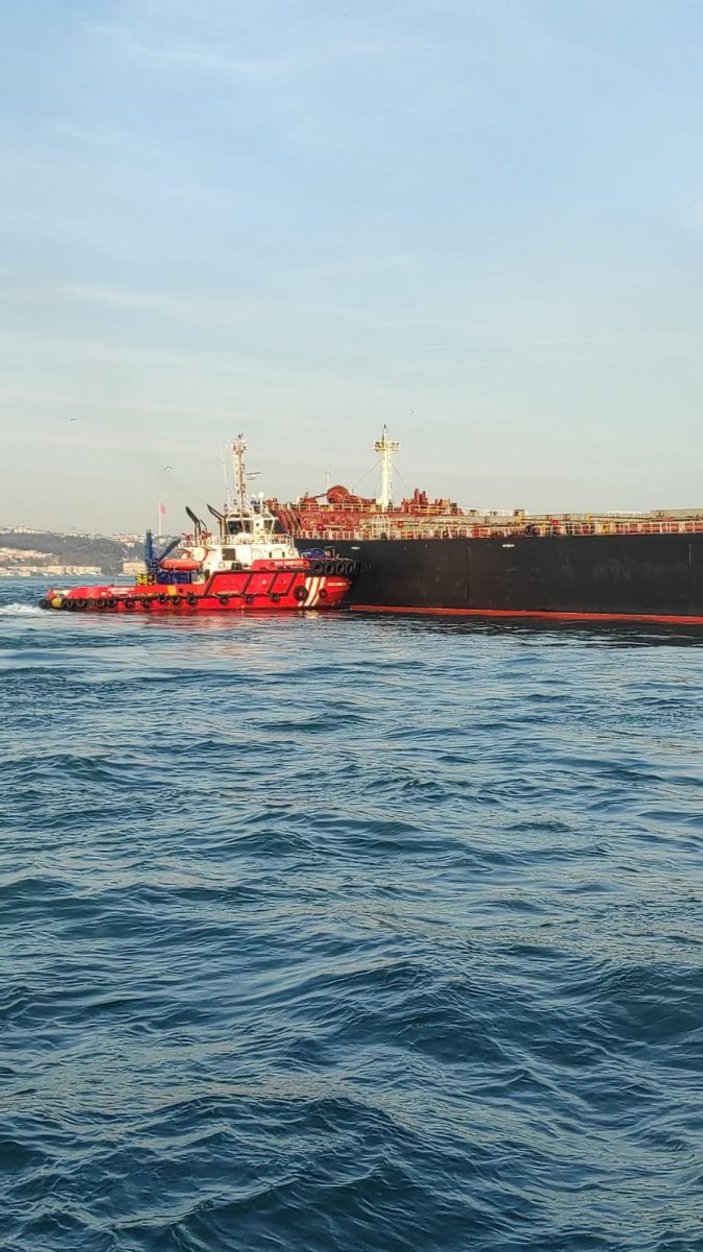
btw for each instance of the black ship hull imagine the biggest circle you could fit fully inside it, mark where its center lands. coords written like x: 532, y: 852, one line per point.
x: 655, y: 577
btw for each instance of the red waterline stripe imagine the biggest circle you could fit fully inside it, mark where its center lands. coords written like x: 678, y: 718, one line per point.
x: 663, y: 618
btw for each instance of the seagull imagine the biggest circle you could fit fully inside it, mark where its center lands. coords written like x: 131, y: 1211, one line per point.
x: 168, y: 467
x: 73, y: 419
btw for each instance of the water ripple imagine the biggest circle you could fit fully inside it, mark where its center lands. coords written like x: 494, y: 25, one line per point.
x: 337, y: 933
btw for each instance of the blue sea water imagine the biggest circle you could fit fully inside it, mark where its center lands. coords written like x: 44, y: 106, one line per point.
x: 342, y: 932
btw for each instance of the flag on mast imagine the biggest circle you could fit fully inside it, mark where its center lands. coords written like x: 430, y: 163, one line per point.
x: 162, y: 513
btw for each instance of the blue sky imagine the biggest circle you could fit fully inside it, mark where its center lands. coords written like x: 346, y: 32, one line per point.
x: 480, y: 221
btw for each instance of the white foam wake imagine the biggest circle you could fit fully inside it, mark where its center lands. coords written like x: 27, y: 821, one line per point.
x: 19, y: 610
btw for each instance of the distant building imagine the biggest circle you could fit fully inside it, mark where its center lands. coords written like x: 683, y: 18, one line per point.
x: 25, y: 570
x: 132, y: 567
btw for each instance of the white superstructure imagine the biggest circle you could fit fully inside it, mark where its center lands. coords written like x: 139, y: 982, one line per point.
x: 387, y: 447
x: 247, y: 529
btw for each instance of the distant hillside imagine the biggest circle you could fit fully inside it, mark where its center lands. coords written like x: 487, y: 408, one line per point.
x: 56, y: 549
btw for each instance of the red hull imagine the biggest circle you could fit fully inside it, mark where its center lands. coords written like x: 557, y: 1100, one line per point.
x: 662, y: 619
x: 271, y: 589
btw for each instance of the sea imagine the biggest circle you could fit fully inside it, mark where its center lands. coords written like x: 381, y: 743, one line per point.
x: 334, y: 932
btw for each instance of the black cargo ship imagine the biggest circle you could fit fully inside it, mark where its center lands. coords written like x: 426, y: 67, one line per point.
x: 430, y: 556
x: 656, y: 577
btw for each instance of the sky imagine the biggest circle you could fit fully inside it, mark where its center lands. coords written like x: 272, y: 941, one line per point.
x: 477, y: 221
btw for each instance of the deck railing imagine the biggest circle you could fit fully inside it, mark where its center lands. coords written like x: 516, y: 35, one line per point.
x: 525, y: 527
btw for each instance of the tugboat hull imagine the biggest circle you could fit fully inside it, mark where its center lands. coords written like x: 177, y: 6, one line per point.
x: 272, y: 590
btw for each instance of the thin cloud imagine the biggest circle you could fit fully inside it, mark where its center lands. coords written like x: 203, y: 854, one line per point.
x: 198, y: 56
x: 95, y: 136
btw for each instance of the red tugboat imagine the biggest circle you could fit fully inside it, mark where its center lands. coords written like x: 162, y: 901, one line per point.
x: 246, y: 566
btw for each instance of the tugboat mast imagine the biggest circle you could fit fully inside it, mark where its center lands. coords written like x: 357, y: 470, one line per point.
x: 240, y: 478
x: 386, y: 447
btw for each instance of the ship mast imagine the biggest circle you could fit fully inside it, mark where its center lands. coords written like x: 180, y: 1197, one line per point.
x: 240, y: 478
x: 386, y: 447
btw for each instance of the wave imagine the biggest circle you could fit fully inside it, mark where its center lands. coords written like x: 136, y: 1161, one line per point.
x: 326, y: 935
x: 20, y: 610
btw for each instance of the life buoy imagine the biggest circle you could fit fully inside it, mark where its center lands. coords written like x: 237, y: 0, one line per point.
x: 300, y: 593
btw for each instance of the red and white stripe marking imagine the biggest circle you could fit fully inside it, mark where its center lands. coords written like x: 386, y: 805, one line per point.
x: 314, y: 586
